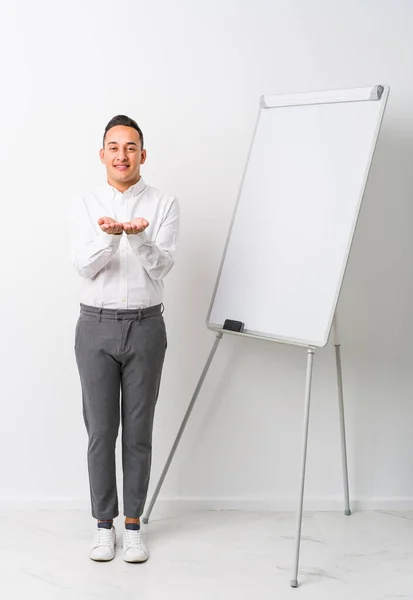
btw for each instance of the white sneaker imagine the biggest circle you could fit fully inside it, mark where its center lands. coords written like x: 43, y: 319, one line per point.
x: 134, y: 549
x: 103, y: 547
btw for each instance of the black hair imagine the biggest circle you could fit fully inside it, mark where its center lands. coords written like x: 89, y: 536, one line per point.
x: 126, y: 122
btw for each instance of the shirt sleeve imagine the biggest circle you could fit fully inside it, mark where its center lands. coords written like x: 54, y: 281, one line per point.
x: 90, y: 251
x: 157, y: 256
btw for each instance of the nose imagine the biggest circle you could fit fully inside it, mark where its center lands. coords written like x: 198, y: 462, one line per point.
x: 122, y: 155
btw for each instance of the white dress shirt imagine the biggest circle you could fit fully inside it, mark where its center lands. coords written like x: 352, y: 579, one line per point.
x: 123, y: 271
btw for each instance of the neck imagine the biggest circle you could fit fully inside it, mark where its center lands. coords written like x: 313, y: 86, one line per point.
x: 122, y: 187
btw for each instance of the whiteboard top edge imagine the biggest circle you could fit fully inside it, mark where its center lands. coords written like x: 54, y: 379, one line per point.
x: 358, y: 94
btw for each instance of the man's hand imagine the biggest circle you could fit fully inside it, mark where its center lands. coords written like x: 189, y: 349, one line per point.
x: 109, y: 225
x: 136, y: 226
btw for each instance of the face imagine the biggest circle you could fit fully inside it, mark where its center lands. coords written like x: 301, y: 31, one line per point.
x: 122, y: 156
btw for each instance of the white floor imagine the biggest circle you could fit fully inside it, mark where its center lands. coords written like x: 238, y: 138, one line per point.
x: 211, y: 556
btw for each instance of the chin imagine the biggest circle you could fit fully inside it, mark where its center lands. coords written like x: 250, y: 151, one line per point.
x: 124, y: 176
x: 121, y: 178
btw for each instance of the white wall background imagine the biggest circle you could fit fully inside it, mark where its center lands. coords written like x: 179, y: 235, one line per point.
x: 191, y: 73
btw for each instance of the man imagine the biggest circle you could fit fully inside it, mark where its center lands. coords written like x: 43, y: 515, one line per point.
x: 124, y: 237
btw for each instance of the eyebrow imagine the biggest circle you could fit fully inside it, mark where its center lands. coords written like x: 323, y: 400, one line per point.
x: 127, y: 143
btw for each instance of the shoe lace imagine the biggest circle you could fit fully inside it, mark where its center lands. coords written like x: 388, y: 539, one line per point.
x: 133, y: 538
x: 103, y: 537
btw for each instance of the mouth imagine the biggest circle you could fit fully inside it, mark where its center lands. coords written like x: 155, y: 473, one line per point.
x: 121, y: 167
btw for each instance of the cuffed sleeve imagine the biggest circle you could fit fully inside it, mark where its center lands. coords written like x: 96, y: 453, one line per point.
x: 157, y: 256
x: 90, y: 250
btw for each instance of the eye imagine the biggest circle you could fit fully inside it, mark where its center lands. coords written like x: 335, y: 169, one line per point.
x: 131, y: 149
x: 113, y: 148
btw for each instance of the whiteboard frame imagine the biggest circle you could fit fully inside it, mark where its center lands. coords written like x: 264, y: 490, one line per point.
x: 376, y: 93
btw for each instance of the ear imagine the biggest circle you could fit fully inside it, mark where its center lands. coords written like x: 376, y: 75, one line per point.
x: 102, y: 155
x: 143, y: 156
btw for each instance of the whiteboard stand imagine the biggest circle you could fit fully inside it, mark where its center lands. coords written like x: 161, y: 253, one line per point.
x: 309, y: 376
x: 218, y: 338
x: 307, y: 398
x: 337, y: 347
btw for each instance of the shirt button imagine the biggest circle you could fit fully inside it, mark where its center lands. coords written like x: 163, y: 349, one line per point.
x: 123, y: 299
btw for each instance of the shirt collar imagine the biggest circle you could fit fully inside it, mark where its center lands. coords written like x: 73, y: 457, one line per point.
x: 133, y: 190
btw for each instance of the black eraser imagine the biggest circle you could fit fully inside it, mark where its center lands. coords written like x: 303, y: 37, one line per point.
x: 231, y: 325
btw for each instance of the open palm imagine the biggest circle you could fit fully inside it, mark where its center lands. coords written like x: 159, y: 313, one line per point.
x: 135, y: 226
x: 109, y: 225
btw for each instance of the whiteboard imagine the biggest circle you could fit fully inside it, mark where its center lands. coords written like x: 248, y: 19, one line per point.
x: 296, y: 213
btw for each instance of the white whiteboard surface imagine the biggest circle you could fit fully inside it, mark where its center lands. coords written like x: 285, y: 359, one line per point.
x: 295, y: 217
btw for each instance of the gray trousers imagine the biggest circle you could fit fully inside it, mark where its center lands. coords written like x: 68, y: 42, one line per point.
x: 119, y: 351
